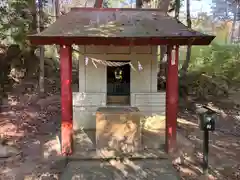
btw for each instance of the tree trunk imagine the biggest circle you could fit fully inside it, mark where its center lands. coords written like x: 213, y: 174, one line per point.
x: 188, y: 55
x: 162, y: 65
x: 234, y: 24
x: 57, y: 15
x: 187, y: 61
x: 41, y: 67
x: 177, y: 8
x: 139, y: 3
x: 163, y: 6
x: 57, y: 8
x: 33, y: 25
x: 238, y: 24
x: 98, y: 3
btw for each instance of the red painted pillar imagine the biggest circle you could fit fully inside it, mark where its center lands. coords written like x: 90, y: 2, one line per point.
x: 171, y: 99
x: 66, y: 99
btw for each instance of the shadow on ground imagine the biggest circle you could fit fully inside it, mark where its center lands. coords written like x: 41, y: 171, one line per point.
x: 30, y: 123
x: 120, y: 170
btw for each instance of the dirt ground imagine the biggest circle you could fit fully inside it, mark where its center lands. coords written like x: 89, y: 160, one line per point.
x: 30, y: 123
x: 224, y: 148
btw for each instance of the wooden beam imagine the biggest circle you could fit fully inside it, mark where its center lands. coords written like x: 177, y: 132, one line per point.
x: 172, y: 99
x: 66, y: 99
x: 113, y: 9
x: 119, y: 41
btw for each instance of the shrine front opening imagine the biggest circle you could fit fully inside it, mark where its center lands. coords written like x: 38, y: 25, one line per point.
x: 118, y: 84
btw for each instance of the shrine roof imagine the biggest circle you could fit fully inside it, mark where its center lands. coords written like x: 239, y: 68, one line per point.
x: 102, y: 26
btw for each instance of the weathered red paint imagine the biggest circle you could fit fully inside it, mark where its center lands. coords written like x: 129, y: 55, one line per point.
x: 66, y: 99
x: 172, y: 100
x: 119, y: 41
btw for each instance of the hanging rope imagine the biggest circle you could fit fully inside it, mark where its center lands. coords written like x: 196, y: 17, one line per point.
x: 112, y: 64
x: 105, y: 62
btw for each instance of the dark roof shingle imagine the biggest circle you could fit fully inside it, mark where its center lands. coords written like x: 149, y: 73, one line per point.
x: 119, y: 23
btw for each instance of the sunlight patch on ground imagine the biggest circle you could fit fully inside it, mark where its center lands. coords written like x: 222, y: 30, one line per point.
x: 9, y: 129
x: 188, y: 171
x: 7, y: 174
x: 12, y: 100
x: 119, y: 170
x: 43, y: 176
x: 51, y: 147
x: 156, y: 123
x: 186, y: 122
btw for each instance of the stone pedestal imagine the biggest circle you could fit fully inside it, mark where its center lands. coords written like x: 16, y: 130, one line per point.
x: 118, y: 129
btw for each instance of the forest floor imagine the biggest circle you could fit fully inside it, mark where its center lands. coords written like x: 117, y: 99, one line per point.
x: 224, y: 143
x: 30, y: 124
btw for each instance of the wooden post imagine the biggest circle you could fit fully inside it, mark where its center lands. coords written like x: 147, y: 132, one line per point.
x: 66, y: 99
x: 171, y: 99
